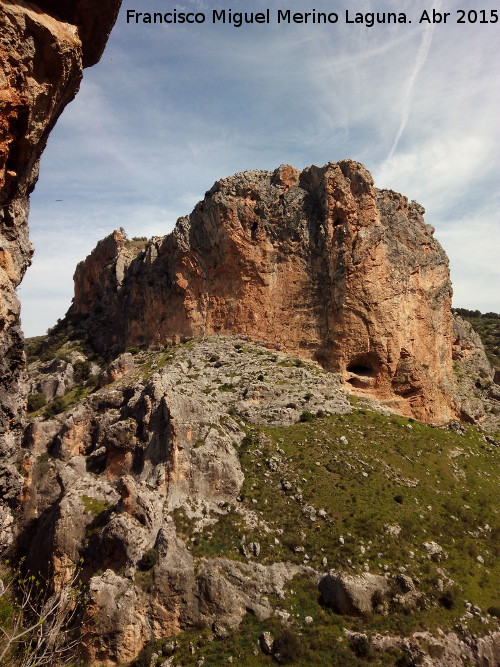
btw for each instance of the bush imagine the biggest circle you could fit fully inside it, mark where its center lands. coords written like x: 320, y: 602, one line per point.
x: 494, y: 611
x: 36, y: 402
x: 360, y: 646
x: 377, y: 598
x: 149, y: 559
x: 306, y: 416
x: 82, y: 371
x: 287, y: 647
x: 447, y: 600
x: 37, y: 623
x: 55, y: 407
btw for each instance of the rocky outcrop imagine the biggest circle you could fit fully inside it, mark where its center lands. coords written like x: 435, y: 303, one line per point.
x: 114, y: 479
x: 452, y: 649
x: 353, y: 595
x: 186, y: 485
x: 43, y: 47
x: 316, y: 263
x: 477, y: 390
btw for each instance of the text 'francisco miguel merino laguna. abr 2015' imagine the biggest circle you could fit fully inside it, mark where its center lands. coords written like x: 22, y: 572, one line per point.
x: 286, y: 16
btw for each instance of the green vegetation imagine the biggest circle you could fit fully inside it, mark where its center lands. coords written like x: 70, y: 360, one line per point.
x: 138, y: 243
x: 62, y: 403
x: 149, y: 559
x: 36, y: 402
x: 94, y: 505
x: 306, y: 416
x: 371, y: 501
x: 65, y: 338
x: 318, y: 644
x: 68, y: 335
x: 487, y: 325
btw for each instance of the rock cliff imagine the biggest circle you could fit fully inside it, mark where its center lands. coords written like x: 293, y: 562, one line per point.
x: 43, y: 48
x: 317, y: 263
x: 216, y: 488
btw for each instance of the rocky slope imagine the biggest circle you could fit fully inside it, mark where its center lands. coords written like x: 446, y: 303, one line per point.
x: 43, y: 48
x: 317, y: 263
x: 221, y: 496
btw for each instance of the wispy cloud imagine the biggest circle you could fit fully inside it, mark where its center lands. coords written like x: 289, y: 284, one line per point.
x: 169, y: 110
x: 420, y: 60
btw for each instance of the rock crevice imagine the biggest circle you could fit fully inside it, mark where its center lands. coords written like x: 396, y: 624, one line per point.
x: 317, y: 263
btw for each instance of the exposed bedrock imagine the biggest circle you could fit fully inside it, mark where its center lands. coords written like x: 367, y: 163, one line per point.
x: 43, y: 48
x: 318, y: 263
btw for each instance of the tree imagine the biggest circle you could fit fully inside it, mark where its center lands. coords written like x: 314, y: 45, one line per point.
x: 37, y: 622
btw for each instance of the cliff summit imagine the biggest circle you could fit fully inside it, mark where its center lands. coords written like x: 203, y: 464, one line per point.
x: 317, y: 263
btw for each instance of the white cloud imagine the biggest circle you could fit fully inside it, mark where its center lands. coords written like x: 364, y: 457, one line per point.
x: 472, y: 243
x: 170, y: 110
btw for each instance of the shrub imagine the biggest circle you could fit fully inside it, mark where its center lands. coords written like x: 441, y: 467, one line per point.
x: 306, y: 416
x: 37, y: 622
x: 436, y: 650
x: 82, y: 370
x: 36, y: 402
x: 149, y: 559
x: 286, y: 647
x: 360, y: 646
x: 377, y: 598
x: 55, y: 407
x: 494, y: 611
x: 447, y: 600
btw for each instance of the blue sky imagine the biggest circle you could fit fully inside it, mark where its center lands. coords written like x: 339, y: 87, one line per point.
x: 171, y: 109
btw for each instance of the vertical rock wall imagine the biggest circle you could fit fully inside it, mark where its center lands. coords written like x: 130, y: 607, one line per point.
x: 317, y: 263
x: 43, y: 48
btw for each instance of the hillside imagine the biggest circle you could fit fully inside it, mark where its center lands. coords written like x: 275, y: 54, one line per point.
x: 217, y: 491
x: 263, y: 437
x: 487, y: 325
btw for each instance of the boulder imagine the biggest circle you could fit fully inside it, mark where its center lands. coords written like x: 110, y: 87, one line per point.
x: 351, y: 595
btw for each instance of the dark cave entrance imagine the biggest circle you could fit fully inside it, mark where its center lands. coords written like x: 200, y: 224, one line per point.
x: 363, y: 370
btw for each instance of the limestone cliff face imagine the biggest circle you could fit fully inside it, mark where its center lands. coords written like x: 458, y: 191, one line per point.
x: 43, y: 47
x: 318, y: 263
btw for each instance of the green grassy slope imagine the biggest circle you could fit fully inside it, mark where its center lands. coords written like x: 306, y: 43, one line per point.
x: 392, y: 474
x: 487, y: 325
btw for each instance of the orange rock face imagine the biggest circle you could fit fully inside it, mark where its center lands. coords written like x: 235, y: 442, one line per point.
x: 43, y: 47
x: 317, y: 263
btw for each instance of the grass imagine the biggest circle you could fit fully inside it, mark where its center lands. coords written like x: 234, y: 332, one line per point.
x: 318, y: 644
x: 431, y: 484
x: 94, y: 505
x: 488, y: 329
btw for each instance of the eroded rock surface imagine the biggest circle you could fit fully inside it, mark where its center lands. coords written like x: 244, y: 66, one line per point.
x: 43, y: 48
x: 113, y: 479
x: 153, y: 480
x: 478, y: 392
x: 317, y: 263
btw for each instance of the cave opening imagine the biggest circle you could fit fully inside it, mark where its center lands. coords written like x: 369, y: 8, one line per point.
x: 363, y: 370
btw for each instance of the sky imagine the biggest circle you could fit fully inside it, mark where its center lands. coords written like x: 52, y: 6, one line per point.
x: 170, y: 109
